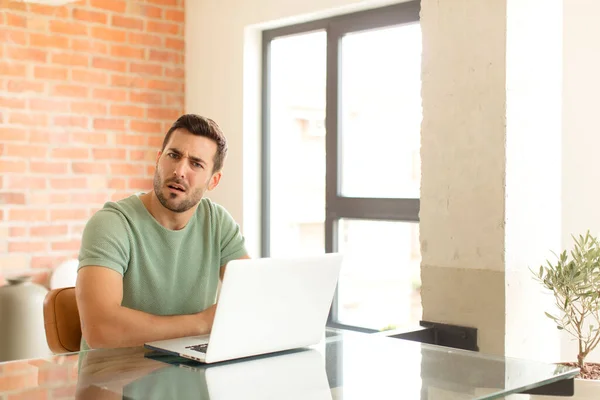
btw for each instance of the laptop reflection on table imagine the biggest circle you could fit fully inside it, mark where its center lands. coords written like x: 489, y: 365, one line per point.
x: 297, y: 374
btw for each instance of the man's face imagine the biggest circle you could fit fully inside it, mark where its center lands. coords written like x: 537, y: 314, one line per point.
x: 184, y: 170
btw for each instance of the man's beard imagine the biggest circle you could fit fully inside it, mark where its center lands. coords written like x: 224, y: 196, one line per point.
x: 184, y: 205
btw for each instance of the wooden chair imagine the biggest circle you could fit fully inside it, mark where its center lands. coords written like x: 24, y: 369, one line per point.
x: 61, y: 321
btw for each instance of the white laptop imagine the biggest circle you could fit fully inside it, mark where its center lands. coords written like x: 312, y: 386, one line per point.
x: 265, y: 305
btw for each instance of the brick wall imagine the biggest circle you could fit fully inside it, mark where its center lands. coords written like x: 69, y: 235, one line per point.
x: 87, y: 91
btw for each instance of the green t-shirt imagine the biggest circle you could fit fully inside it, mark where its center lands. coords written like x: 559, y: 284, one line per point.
x: 165, y: 272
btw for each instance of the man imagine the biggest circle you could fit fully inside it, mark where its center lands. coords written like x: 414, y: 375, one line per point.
x: 149, y: 265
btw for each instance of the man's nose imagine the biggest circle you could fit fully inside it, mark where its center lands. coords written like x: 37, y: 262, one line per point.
x: 180, y: 166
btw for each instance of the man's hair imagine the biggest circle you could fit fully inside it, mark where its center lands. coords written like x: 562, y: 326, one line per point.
x: 201, y: 126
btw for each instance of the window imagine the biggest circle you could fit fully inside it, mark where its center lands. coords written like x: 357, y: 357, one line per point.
x: 341, y: 156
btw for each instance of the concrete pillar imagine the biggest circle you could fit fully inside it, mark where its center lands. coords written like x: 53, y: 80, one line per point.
x: 581, y: 130
x: 490, y: 187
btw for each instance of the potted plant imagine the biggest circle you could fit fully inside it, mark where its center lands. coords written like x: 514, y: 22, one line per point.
x: 574, y: 280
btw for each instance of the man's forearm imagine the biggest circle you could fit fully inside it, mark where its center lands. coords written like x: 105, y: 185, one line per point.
x: 125, y: 327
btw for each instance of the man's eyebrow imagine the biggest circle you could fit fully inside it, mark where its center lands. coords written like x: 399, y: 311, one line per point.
x: 192, y: 158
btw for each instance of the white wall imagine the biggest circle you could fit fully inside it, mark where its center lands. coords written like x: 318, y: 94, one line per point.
x: 581, y: 128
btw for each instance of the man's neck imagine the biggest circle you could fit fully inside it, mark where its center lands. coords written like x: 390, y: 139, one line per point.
x: 167, y: 218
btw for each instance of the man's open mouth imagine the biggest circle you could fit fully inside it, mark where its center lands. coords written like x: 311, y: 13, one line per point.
x: 176, y: 187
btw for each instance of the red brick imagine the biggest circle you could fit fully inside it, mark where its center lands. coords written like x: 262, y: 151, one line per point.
x: 128, y: 52
x: 127, y: 111
x: 74, y: 153
x: 163, y: 2
x: 165, y: 86
x: 37, y: 23
x: 71, y: 59
x: 175, y: 73
x: 71, y: 121
x: 47, y: 262
x: 49, y: 230
x: 138, y: 183
x: 109, y: 124
x: 142, y: 155
x: 106, y: 63
x: 129, y: 23
x: 25, y: 151
x: 89, y: 107
x: 18, y: 231
x: 13, y: 166
x: 88, y: 198
x: 52, y: 11
x: 150, y: 170
x: 68, y: 214
x: 109, y: 154
x: 120, y: 195
x: 11, y: 102
x: 26, y: 54
x: 47, y: 167
x: 175, y: 44
x: 65, y: 392
x: 68, y: 183
x: 145, y: 127
x: 12, y: 134
x: 117, y: 95
x: 109, y: 34
x: 70, y: 90
x: 54, y: 106
x: 118, y: 6
x: 12, y: 198
x: 14, y: 382
x: 18, y: 21
x: 27, y: 247
x: 87, y: 76
x: 170, y: 114
x: 165, y: 56
x: 156, y: 141
x: 174, y: 100
x: 127, y: 169
x: 163, y: 27
x: 90, y: 16
x: 20, y: 182
x: 128, y: 81
x: 148, y: 69
x: 174, y: 15
x: 89, y: 46
x: 16, y: 86
x: 28, y: 119
x: 43, y: 136
x: 131, y: 140
x: 144, y: 39
x: 27, y: 215
x: 117, y: 183
x: 48, y: 198
x: 68, y: 28
x: 61, y: 246
x: 13, y: 37
x: 92, y: 138
x: 53, y: 41
x: 9, y: 68
x: 30, y: 394
x: 43, y: 72
x: 151, y: 12
x: 89, y: 168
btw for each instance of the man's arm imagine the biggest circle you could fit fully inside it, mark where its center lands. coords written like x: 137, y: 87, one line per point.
x: 222, y: 270
x: 107, y: 324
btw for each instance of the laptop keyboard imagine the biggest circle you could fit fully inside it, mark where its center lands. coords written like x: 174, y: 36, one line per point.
x: 200, y: 348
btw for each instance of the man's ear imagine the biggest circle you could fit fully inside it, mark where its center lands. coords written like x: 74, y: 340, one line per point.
x: 214, y: 180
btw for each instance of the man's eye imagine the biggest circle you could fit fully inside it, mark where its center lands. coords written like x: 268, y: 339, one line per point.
x: 172, y: 155
x: 197, y: 165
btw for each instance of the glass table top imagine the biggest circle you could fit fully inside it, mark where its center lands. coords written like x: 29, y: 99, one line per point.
x: 345, y: 365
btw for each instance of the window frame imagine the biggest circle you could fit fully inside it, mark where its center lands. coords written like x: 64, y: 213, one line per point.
x: 337, y: 206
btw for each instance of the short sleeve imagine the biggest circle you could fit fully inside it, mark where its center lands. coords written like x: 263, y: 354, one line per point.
x: 231, y: 238
x: 105, y: 242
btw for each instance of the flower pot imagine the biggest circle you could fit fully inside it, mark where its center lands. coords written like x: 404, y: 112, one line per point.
x: 585, y: 389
